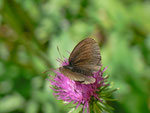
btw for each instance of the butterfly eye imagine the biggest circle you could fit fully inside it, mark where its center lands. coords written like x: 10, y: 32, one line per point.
x: 70, y: 63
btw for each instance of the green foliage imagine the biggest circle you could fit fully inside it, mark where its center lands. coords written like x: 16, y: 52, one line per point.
x: 31, y: 30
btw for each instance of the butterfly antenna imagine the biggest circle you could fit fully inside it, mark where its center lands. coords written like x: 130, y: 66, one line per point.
x: 51, y: 69
x: 59, y: 53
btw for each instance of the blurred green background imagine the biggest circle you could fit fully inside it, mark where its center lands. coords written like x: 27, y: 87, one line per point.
x: 31, y: 30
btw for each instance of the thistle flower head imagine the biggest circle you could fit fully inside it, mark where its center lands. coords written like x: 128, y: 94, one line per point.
x: 76, y: 92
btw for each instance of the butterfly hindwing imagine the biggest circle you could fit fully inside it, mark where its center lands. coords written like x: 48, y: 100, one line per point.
x: 76, y: 76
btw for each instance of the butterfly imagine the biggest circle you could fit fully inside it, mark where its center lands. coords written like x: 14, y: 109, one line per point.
x: 84, y: 60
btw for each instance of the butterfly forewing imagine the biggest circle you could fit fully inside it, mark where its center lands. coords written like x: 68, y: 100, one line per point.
x: 86, y: 55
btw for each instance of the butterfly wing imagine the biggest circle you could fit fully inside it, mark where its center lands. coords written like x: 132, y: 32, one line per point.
x: 86, y: 56
x: 77, y: 76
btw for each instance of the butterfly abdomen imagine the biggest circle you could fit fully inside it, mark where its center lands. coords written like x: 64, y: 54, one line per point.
x: 78, y: 70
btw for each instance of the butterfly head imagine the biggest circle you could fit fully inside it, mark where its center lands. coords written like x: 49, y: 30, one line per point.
x: 60, y: 69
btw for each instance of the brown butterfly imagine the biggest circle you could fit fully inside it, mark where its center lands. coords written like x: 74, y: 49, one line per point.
x: 84, y: 60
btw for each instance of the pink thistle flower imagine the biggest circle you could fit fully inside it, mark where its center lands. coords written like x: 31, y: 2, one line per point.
x: 76, y: 92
